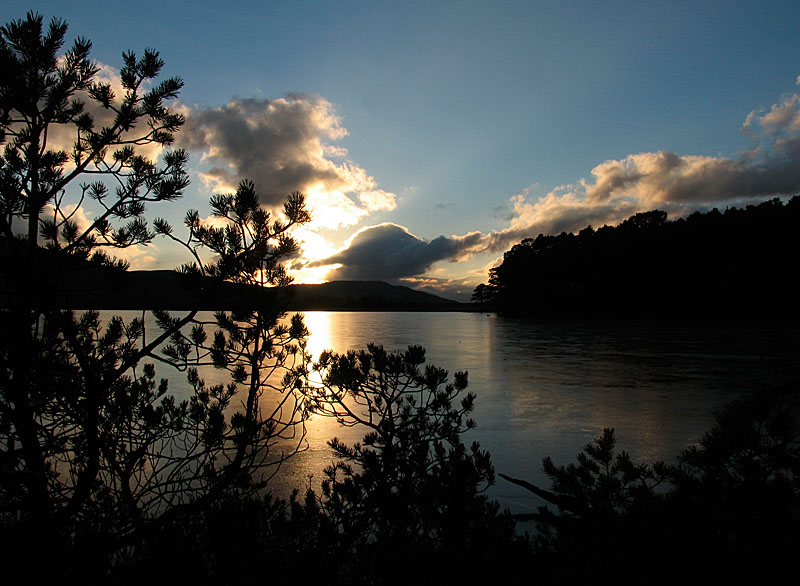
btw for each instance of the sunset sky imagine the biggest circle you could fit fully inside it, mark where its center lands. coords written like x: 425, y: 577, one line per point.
x: 432, y: 136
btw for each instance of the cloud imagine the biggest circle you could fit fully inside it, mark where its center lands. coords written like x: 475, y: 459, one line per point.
x: 565, y: 209
x: 141, y: 257
x: 456, y: 289
x: 388, y: 251
x: 666, y: 178
x: 653, y: 179
x: 283, y: 145
x: 678, y: 184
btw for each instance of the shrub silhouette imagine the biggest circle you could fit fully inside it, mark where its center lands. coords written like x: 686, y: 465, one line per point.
x: 407, y: 503
x: 727, y: 511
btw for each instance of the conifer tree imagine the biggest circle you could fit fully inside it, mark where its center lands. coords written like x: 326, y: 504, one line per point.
x: 411, y: 494
x: 93, y: 447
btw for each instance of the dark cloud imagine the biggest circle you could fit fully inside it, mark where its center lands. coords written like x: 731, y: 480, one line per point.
x: 282, y: 145
x: 388, y: 251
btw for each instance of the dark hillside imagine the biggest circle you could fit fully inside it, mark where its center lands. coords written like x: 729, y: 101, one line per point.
x: 741, y: 261
x: 366, y: 295
x: 91, y: 286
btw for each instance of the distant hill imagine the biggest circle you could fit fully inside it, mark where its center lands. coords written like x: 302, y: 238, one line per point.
x: 366, y: 295
x: 87, y: 286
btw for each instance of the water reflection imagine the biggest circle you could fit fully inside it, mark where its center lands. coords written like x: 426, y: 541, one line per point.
x: 319, y: 324
x: 306, y: 468
x: 549, y: 388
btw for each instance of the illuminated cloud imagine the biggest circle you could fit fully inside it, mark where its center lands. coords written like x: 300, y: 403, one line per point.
x: 564, y: 209
x: 142, y: 257
x: 663, y: 180
x: 666, y: 178
x: 457, y: 289
x: 620, y: 188
x: 652, y: 179
x: 284, y: 145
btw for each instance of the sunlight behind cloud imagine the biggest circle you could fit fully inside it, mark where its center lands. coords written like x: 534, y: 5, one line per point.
x: 313, y: 246
x: 619, y: 188
x: 284, y: 145
x: 332, y: 209
x: 311, y: 275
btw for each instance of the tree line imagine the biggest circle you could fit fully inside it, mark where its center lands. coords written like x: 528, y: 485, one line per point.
x: 740, y: 261
x: 106, y: 477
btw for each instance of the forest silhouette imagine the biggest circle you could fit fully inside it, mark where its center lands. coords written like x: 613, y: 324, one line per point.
x: 738, y: 262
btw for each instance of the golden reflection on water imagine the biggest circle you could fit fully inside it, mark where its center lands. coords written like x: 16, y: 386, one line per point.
x: 545, y: 389
x: 319, y: 324
x: 319, y: 429
x: 304, y: 468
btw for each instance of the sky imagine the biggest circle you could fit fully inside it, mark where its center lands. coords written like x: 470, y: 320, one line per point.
x: 430, y: 137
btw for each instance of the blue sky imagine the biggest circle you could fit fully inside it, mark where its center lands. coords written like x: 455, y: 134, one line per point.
x: 432, y: 136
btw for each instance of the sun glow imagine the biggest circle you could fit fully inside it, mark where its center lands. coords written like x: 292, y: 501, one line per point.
x: 331, y: 209
x: 313, y: 246
x: 312, y: 276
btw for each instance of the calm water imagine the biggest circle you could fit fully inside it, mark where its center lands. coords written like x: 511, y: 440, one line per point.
x: 548, y: 388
